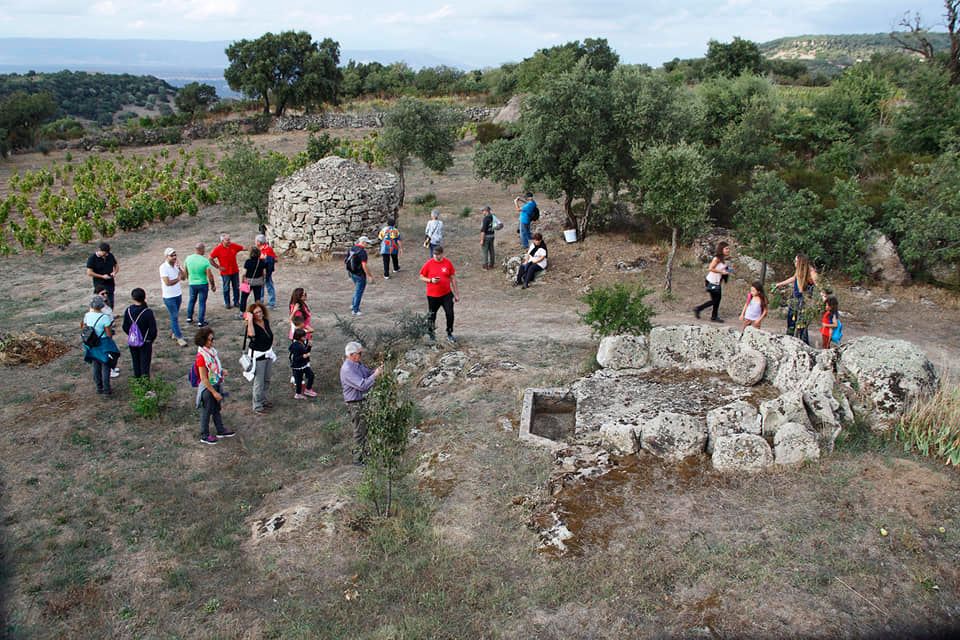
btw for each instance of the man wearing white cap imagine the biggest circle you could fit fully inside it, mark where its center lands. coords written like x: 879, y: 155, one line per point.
x: 356, y: 263
x: 357, y: 379
x: 171, y: 274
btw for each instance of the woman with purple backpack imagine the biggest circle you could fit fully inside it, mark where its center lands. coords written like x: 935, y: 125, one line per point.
x: 140, y: 325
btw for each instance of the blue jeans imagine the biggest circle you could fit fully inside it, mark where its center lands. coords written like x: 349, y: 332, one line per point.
x: 524, y: 234
x: 198, y: 291
x: 173, y: 308
x: 234, y: 280
x: 271, y: 291
x: 360, y: 283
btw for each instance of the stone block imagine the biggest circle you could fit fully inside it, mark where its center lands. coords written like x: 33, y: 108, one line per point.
x: 747, y: 367
x: 623, y: 352
x: 795, y: 443
x: 731, y: 419
x: 674, y: 436
x: 782, y: 410
x: 742, y: 452
x: 692, y: 347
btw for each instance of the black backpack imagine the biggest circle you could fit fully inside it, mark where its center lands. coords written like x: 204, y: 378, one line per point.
x: 352, y: 262
x: 535, y: 214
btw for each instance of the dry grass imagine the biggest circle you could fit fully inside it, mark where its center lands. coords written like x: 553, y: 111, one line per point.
x: 932, y: 426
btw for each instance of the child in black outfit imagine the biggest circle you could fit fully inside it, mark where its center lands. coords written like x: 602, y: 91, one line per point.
x: 300, y: 364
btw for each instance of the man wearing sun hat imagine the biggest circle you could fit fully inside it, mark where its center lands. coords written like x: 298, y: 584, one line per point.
x: 171, y: 274
x: 356, y: 264
x: 357, y: 379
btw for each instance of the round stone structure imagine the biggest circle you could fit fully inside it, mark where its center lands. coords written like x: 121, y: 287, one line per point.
x: 326, y: 206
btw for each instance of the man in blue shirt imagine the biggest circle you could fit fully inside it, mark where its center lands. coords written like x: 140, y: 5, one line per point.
x: 357, y: 379
x: 526, y: 213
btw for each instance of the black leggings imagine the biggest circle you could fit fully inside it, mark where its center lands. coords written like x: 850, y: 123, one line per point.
x: 386, y: 263
x: 257, y: 292
x: 527, y: 272
x: 434, y: 304
x: 301, y: 375
x: 714, y: 300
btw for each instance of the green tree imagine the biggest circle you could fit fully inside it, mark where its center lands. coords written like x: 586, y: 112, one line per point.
x: 733, y: 59
x: 195, y: 97
x: 567, y: 143
x: 288, y: 68
x: 21, y: 115
x: 247, y: 175
x: 924, y: 213
x: 413, y: 128
x: 673, y: 184
x: 389, y: 416
x: 932, y: 115
x: 533, y: 72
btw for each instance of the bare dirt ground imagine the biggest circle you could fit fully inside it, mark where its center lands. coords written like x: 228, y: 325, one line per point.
x: 113, y: 526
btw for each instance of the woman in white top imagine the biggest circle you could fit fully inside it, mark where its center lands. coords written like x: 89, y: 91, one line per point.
x: 534, y: 261
x: 715, y: 275
x: 434, y: 232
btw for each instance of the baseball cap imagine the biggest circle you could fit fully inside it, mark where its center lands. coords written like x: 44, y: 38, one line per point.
x: 169, y: 251
x: 364, y: 240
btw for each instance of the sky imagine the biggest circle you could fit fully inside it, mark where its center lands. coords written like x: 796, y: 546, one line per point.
x: 475, y: 33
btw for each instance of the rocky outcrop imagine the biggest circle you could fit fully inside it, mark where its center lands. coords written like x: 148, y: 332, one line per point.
x: 623, y: 352
x: 731, y: 419
x: 783, y: 410
x: 888, y: 375
x: 692, y: 347
x: 788, y: 360
x: 674, y: 436
x: 747, y: 367
x: 620, y: 438
x: 328, y: 205
x: 510, y: 112
x: 795, y: 443
x: 883, y: 262
x: 754, y: 267
x: 705, y: 247
x: 741, y: 452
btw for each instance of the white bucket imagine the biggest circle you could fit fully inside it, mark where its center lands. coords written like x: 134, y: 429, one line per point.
x: 570, y: 235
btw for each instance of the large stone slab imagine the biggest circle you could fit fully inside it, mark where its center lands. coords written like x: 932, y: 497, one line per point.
x: 731, y: 419
x: 747, y: 367
x: 674, y: 436
x: 692, y: 347
x: 742, y: 452
x: 795, y: 443
x: 788, y: 359
x: 623, y: 352
x: 785, y: 409
x: 884, y: 263
x: 888, y: 374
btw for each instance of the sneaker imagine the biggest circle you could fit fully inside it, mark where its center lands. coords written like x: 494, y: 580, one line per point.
x: 293, y: 380
x: 227, y: 434
x: 397, y: 270
x: 189, y: 321
x: 386, y: 277
x: 201, y: 325
x: 310, y: 393
x: 181, y: 342
x: 262, y: 411
x: 115, y: 373
x: 716, y: 319
x: 299, y: 396
x: 696, y: 313
x: 452, y: 339
x: 239, y: 316
x: 228, y: 306
x: 357, y: 313
x: 211, y: 439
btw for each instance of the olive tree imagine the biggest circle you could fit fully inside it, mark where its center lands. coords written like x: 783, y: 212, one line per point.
x: 673, y: 188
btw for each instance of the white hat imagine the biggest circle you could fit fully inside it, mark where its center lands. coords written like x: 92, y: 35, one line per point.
x: 169, y: 251
x: 352, y: 348
x: 364, y: 240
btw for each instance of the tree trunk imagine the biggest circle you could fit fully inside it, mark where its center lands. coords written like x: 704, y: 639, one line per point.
x: 668, y: 281
x: 763, y: 273
x: 403, y: 183
x: 266, y: 105
x: 568, y: 211
x: 585, y: 218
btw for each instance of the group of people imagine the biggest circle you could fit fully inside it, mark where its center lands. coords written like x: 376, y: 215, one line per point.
x: 196, y: 276
x: 755, y: 309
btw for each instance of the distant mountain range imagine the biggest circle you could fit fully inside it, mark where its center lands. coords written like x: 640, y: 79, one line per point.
x: 828, y: 53
x: 176, y: 61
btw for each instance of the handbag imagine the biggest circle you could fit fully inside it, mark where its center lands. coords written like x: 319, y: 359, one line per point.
x: 244, y: 287
x: 246, y: 360
x: 426, y: 242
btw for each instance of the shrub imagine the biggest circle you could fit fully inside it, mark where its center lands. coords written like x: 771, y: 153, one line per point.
x: 488, y: 132
x: 389, y: 417
x: 932, y: 426
x: 427, y: 200
x: 319, y: 147
x: 618, y: 309
x: 150, y: 395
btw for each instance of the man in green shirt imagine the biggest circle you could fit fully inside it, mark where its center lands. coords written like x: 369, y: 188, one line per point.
x: 200, y: 277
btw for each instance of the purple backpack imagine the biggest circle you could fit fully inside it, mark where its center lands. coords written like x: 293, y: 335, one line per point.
x: 135, y: 336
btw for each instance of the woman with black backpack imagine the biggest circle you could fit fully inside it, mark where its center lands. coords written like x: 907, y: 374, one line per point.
x: 140, y: 325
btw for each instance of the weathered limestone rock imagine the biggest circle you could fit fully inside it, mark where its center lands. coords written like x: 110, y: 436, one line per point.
x: 783, y: 410
x: 448, y: 368
x: 674, y: 436
x: 795, y: 443
x: 327, y: 205
x: 742, y: 452
x: 731, y: 419
x: 887, y: 374
x: 747, y: 367
x: 623, y: 352
x: 788, y: 359
x: 620, y: 438
x: 511, y: 266
x: 510, y: 112
x: 754, y: 266
x: 883, y: 262
x: 692, y: 347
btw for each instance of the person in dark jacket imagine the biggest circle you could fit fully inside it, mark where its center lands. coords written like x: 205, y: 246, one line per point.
x: 141, y: 315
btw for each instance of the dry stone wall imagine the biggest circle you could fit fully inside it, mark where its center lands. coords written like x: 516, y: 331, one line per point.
x: 326, y: 206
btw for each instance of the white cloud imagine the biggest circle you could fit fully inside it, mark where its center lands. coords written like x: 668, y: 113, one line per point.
x: 203, y: 9
x: 136, y: 24
x: 401, y: 17
x: 104, y: 8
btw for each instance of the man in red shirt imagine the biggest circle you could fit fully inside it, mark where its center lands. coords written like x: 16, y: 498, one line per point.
x: 442, y: 290
x: 224, y: 258
x: 270, y: 258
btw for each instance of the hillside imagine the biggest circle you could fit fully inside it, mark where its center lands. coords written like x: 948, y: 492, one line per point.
x: 830, y: 54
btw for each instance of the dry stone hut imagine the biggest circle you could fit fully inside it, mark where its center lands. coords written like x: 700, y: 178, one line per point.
x: 329, y: 204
